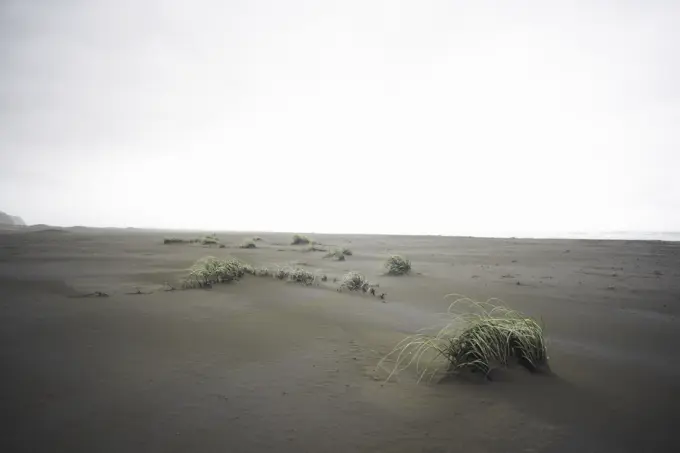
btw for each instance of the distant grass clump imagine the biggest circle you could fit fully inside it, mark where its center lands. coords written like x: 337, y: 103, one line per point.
x: 397, y: 265
x: 210, y: 270
x: 299, y: 239
x: 355, y: 281
x: 257, y: 238
x: 295, y: 275
x: 210, y: 239
x: 336, y: 255
x: 302, y: 276
x: 263, y: 272
x: 487, y: 337
x: 179, y: 241
x: 248, y: 245
x: 315, y: 248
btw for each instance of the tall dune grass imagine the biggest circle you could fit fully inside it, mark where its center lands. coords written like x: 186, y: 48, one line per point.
x: 479, y: 339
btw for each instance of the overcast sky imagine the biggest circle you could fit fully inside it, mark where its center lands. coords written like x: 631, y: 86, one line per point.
x: 445, y: 117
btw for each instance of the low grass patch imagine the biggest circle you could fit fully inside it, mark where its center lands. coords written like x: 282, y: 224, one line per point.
x: 210, y: 270
x: 336, y: 255
x: 299, y: 239
x: 263, y: 272
x: 354, y: 281
x: 248, y: 245
x: 478, y: 337
x: 180, y: 241
x: 398, y: 265
x: 210, y: 240
x: 295, y: 275
x: 303, y: 276
x: 345, y: 251
x: 315, y: 248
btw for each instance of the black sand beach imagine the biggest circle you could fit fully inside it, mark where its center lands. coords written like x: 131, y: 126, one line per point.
x: 262, y: 365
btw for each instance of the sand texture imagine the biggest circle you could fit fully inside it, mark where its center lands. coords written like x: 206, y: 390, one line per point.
x: 267, y: 366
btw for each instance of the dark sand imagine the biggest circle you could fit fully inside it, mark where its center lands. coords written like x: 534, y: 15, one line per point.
x: 265, y: 366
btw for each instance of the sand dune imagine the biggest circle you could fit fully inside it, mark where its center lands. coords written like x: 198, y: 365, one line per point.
x: 262, y: 365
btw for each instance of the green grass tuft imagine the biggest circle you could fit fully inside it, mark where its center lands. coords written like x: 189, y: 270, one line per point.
x: 484, y: 337
x: 397, y: 265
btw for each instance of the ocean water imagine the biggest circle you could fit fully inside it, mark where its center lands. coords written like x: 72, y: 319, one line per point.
x: 633, y: 235
x: 673, y: 236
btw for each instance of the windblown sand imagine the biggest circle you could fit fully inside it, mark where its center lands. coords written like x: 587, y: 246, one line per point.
x: 266, y: 366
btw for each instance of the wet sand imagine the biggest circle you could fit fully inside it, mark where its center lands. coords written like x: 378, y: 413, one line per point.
x: 262, y: 366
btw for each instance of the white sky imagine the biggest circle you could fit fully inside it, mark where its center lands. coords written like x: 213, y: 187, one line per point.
x: 445, y: 117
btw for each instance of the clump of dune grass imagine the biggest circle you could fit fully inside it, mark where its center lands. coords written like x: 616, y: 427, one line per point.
x: 313, y: 247
x: 354, y: 281
x: 248, y: 245
x: 248, y: 269
x: 295, y: 275
x: 303, y: 276
x: 210, y: 270
x: 397, y: 265
x: 210, y: 240
x: 257, y: 238
x: 263, y: 272
x: 336, y: 255
x: 299, y: 239
x: 346, y: 251
x: 281, y: 273
x: 481, y: 338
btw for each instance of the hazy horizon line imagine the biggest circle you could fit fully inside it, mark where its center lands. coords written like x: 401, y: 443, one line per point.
x: 673, y: 236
